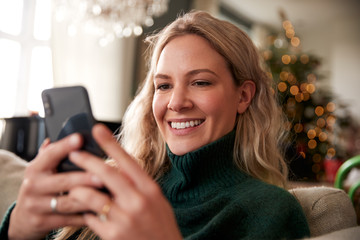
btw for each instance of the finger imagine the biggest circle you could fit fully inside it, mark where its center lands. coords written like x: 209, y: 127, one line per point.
x: 45, y: 143
x: 105, y: 229
x: 62, y: 204
x: 62, y: 182
x: 65, y: 204
x: 41, y: 225
x: 51, y: 156
x: 57, y: 221
x: 101, y: 205
x: 119, y: 185
x: 105, y: 139
x: 90, y: 198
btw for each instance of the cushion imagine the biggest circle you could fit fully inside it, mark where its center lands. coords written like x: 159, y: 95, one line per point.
x: 11, y: 174
x: 327, y: 209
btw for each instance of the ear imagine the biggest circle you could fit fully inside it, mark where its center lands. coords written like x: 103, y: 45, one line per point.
x: 246, y: 93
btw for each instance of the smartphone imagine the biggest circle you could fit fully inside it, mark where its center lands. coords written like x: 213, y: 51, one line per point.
x: 68, y: 110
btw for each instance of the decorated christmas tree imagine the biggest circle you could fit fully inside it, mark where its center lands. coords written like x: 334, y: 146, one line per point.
x: 319, y: 125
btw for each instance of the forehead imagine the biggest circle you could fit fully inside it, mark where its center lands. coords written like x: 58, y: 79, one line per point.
x: 189, y: 51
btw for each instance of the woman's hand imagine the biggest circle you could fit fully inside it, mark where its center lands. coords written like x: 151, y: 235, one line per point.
x: 136, y: 208
x: 40, y: 208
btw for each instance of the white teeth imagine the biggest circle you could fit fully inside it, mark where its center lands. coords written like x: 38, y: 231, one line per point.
x: 182, y: 125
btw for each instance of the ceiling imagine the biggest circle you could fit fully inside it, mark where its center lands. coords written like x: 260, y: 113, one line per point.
x: 302, y: 13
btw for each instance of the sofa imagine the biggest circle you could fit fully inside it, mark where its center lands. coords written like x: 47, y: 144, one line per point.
x: 329, y: 211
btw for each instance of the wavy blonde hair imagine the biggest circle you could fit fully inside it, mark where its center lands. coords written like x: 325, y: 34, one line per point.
x: 259, y: 132
x: 259, y: 129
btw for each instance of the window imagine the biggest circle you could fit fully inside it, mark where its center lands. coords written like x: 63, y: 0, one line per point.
x: 25, y: 55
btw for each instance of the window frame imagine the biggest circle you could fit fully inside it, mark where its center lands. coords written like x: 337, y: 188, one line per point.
x: 27, y: 43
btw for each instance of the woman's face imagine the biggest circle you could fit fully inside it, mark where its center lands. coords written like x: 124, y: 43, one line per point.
x: 195, y: 100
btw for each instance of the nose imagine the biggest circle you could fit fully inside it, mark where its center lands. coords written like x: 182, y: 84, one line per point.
x: 180, y: 100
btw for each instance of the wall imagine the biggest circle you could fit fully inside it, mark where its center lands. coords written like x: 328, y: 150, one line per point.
x: 338, y: 46
x: 109, y: 72
x: 106, y: 72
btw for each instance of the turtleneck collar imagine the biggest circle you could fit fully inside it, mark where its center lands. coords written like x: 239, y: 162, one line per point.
x: 202, y: 170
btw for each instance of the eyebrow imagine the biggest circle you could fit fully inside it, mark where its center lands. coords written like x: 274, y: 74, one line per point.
x: 190, y: 73
x: 197, y: 71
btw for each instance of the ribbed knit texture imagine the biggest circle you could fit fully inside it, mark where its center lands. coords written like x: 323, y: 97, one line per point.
x: 213, y: 199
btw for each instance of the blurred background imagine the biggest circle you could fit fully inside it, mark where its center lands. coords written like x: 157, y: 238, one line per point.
x: 310, y: 48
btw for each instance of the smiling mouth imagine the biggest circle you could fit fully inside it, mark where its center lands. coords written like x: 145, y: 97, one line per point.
x: 187, y: 124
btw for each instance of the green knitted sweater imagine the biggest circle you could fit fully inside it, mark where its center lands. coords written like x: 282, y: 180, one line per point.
x: 213, y: 199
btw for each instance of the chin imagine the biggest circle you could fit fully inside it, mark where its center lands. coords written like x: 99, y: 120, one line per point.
x: 183, y: 150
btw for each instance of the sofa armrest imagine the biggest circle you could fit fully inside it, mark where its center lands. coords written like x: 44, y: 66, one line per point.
x: 11, y: 175
x: 327, y: 209
x: 352, y: 233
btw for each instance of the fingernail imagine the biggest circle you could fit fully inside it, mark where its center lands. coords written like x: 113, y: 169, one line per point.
x: 74, y: 140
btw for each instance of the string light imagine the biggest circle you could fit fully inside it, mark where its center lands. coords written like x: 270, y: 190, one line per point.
x: 287, y: 24
x: 286, y: 59
x: 330, y: 107
x: 292, y: 79
x: 310, y: 88
x: 294, y: 90
x: 319, y: 111
x: 303, y: 87
x: 295, y: 41
x: 282, y: 86
x: 330, y: 120
x: 306, y: 96
x: 311, y: 134
x: 312, y: 144
x: 284, y: 75
x: 296, y: 83
x: 267, y: 55
x: 304, y: 58
x: 299, y: 97
x: 331, y: 152
x: 321, y: 122
x: 298, y: 128
x: 322, y: 136
x: 290, y: 33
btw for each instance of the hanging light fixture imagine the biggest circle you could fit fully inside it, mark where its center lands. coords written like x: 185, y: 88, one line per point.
x: 109, y: 19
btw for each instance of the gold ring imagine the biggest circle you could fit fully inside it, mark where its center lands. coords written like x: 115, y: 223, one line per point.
x: 105, y: 211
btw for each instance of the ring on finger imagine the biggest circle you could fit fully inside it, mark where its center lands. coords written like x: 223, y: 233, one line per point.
x: 53, y: 204
x: 105, y: 212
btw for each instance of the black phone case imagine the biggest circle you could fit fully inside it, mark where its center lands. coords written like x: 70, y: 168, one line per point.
x: 68, y: 110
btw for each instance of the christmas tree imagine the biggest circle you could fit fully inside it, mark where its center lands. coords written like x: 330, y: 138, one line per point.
x: 316, y: 130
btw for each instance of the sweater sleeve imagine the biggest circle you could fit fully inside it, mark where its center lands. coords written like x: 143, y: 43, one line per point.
x: 4, y: 227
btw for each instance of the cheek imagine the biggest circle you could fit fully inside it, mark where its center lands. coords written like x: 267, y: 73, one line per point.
x: 159, y: 107
x: 221, y: 109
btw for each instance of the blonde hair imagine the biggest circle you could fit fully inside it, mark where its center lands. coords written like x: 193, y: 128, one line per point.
x: 259, y: 129
x: 257, y: 148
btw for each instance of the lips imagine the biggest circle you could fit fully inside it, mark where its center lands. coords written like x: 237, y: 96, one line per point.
x: 185, y: 124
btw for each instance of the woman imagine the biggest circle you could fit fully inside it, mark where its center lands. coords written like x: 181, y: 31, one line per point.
x: 205, y: 132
